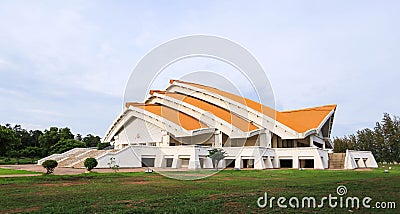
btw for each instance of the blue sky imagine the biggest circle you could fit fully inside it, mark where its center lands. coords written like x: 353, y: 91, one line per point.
x: 66, y: 63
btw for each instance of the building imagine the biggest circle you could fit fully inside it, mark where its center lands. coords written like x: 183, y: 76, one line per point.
x: 176, y: 127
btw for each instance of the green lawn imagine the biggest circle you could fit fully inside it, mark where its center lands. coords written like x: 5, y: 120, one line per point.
x: 15, y: 172
x: 227, y: 192
x: 22, y: 160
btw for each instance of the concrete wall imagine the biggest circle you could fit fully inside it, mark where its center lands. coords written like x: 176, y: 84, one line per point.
x: 138, y: 131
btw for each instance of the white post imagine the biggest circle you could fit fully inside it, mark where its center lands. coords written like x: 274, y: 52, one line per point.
x: 311, y: 141
x: 165, y: 138
x: 238, y: 162
x: 217, y: 139
x: 208, y: 164
x: 268, y: 163
x: 176, y: 162
x: 264, y: 139
x: 295, y: 162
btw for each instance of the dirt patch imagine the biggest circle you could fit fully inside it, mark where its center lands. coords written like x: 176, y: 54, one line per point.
x: 376, y: 179
x: 29, y: 209
x: 130, y: 203
x: 363, y: 169
x: 232, y: 204
x: 95, y: 205
x: 343, y: 182
x: 63, y: 184
x: 137, y: 182
x: 226, y: 179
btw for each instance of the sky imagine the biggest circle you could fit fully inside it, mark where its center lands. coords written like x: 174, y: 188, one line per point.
x: 66, y: 63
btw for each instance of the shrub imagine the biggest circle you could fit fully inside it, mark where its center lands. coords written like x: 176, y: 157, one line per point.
x: 90, y: 163
x: 50, y: 165
x: 113, y: 164
x: 101, y: 146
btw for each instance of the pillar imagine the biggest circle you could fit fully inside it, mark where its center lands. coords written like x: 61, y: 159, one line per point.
x: 268, y: 163
x: 217, y: 139
x: 165, y: 138
x: 176, y: 162
x: 238, y: 162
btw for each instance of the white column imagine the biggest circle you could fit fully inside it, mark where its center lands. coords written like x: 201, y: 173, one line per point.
x: 194, y: 161
x: 318, y: 164
x: 165, y: 138
x: 361, y: 163
x: 221, y: 164
x: 295, y: 162
x: 159, y: 161
x: 176, y: 162
x: 311, y: 141
x: 268, y: 163
x: 208, y: 163
x: 259, y: 162
x: 264, y: 139
x: 258, y: 159
x: 217, y: 139
x: 238, y: 163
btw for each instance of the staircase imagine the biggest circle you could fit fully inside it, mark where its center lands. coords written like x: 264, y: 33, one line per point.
x: 336, y: 160
x: 72, y: 158
x: 91, y: 154
x: 61, y: 157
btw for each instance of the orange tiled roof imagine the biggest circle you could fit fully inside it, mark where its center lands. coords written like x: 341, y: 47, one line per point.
x: 219, y: 112
x: 185, y: 121
x: 300, y: 120
x: 250, y: 103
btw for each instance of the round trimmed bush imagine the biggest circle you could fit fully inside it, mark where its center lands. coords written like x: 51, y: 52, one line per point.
x: 50, y: 165
x: 90, y: 163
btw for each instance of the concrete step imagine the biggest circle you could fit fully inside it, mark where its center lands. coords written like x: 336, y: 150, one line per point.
x: 336, y: 160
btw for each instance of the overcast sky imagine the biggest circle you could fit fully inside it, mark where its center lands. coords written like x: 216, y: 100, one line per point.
x: 66, y: 63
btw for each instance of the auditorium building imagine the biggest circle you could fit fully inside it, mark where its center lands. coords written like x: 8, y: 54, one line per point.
x: 175, y: 128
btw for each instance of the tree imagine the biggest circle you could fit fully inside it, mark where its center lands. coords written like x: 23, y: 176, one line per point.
x: 90, y: 163
x: 49, y: 138
x: 78, y: 137
x: 101, y: 146
x: 383, y: 141
x: 216, y: 155
x: 50, y: 165
x: 31, y: 152
x: 23, y: 135
x: 8, y: 140
x: 53, y: 136
x: 65, y: 133
x: 65, y: 145
x: 342, y: 144
x: 91, y: 140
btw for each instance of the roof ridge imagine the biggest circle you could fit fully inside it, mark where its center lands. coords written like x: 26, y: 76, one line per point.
x: 315, y: 108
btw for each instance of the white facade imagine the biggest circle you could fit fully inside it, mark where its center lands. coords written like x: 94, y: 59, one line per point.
x: 175, y: 128
x: 145, y: 138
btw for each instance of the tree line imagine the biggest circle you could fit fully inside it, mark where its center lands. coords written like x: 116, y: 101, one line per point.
x: 16, y: 142
x: 383, y: 140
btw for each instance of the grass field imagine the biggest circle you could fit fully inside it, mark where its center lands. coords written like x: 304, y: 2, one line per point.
x: 15, y: 172
x: 227, y: 192
x: 22, y: 160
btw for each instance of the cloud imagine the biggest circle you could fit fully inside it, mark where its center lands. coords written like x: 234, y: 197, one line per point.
x: 75, y: 57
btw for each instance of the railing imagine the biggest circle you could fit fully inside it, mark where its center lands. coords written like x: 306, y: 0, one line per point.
x: 58, y: 157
